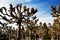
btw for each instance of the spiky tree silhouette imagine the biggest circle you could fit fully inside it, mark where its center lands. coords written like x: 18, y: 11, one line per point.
x: 32, y: 27
x: 56, y: 14
x: 17, y: 14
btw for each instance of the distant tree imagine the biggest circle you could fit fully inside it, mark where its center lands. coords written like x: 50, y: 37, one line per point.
x: 45, y: 26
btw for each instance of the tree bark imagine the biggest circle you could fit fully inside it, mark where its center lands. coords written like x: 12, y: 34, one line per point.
x: 19, y: 22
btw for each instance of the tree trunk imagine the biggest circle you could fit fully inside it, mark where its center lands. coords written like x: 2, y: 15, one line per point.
x: 22, y: 37
x: 25, y: 37
x: 57, y: 37
x: 52, y: 38
x: 19, y: 34
x: 9, y: 37
x: 39, y: 38
x: 16, y: 34
x: 35, y: 36
x: 19, y: 22
x: 29, y: 34
x: 42, y: 38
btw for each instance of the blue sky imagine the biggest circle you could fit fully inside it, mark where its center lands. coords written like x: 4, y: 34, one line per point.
x: 43, y: 6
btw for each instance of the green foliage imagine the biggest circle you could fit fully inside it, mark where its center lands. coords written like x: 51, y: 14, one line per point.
x: 2, y: 35
x: 45, y: 26
x: 47, y: 37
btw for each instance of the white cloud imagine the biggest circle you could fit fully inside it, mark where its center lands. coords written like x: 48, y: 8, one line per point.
x: 46, y: 20
x: 43, y: 16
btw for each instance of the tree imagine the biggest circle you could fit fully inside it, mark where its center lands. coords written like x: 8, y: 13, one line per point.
x: 52, y: 33
x: 17, y: 14
x: 31, y: 25
x: 3, y: 31
x: 42, y: 30
x: 56, y: 24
